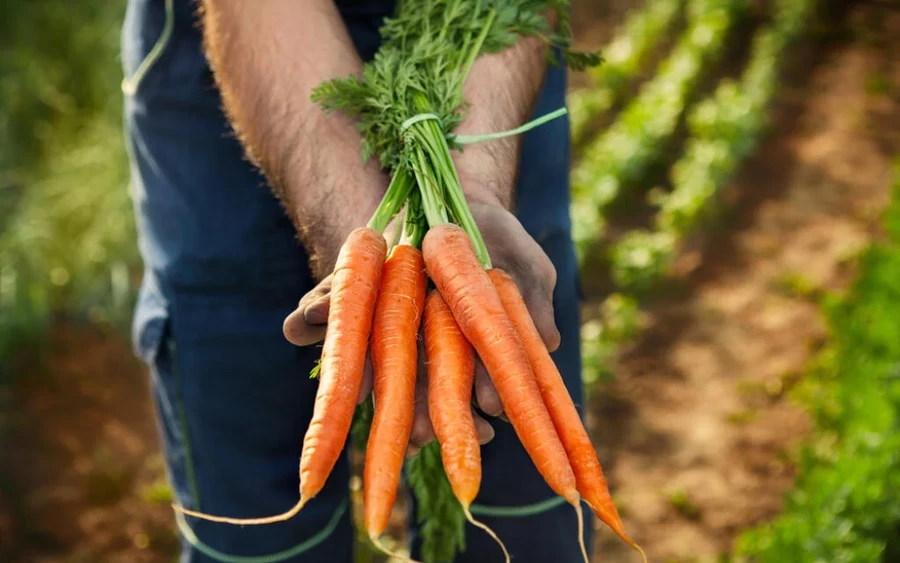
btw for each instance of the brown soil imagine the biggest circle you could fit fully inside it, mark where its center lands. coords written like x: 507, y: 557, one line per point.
x: 87, y: 473
x: 696, y: 433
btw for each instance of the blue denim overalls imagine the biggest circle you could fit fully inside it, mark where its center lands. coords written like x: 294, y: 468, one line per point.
x: 224, y: 268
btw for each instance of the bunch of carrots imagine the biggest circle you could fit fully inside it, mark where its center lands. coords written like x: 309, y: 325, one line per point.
x: 436, y: 278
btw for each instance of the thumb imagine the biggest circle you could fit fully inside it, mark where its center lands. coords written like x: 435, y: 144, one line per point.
x: 540, y: 305
x: 306, y: 324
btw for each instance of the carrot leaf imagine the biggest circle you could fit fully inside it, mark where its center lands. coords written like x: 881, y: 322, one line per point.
x: 440, y: 516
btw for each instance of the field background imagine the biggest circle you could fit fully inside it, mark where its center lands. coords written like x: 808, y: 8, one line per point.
x: 741, y: 260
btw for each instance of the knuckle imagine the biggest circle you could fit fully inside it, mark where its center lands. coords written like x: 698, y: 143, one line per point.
x: 554, y: 340
x: 547, y: 272
x: 489, y: 402
x: 421, y: 433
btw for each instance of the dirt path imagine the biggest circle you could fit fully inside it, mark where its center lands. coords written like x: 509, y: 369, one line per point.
x: 88, y: 482
x: 697, y: 430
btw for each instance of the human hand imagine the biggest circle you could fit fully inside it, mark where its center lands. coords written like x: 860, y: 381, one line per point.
x: 487, y: 173
x: 512, y: 250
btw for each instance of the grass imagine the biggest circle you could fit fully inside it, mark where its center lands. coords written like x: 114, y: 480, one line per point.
x: 159, y: 493
x: 682, y: 503
x: 742, y: 416
x: 796, y: 284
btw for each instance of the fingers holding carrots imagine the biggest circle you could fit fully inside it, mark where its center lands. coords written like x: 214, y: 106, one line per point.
x: 477, y: 309
x: 473, y: 310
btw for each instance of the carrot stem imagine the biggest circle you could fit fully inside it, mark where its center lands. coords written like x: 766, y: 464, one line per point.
x: 396, y: 195
x: 476, y: 48
x: 415, y: 224
x: 439, y: 183
x: 435, y: 211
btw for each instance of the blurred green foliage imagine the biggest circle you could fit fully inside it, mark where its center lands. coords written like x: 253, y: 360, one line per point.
x: 725, y: 129
x: 617, y: 322
x: 643, y: 133
x: 67, y: 241
x: 624, y: 58
x: 845, y: 507
x: 58, y: 69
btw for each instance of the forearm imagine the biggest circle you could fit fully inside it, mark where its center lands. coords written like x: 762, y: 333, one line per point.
x: 501, y: 90
x: 267, y: 58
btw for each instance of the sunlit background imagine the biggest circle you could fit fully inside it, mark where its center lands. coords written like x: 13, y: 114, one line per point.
x: 736, y: 217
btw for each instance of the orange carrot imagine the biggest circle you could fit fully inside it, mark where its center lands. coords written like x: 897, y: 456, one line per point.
x: 588, y: 473
x: 476, y: 306
x: 354, y: 290
x: 451, y: 371
x: 398, y: 314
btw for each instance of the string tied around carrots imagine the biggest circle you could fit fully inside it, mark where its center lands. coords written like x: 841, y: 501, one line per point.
x: 472, y: 139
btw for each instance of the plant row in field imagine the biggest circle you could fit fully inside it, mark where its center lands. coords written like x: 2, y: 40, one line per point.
x: 725, y: 129
x: 642, y: 132
x: 624, y: 57
x: 845, y: 506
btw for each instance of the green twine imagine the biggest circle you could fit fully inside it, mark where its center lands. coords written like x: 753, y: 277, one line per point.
x: 417, y: 118
x: 470, y: 139
x: 537, y: 122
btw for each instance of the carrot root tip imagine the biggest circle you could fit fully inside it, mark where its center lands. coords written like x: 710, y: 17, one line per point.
x: 620, y: 531
x: 580, y: 514
x: 487, y: 530
x: 245, y: 521
x: 376, y: 541
x: 639, y: 550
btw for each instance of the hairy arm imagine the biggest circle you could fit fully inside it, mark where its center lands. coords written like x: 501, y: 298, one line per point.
x: 267, y: 58
x: 501, y: 90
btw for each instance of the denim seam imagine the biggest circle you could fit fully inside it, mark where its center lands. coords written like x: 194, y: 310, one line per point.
x: 182, y: 423
x: 518, y: 511
x: 130, y: 84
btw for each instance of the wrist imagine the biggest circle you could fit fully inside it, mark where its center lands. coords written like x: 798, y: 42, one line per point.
x: 329, y: 192
x: 488, y: 174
